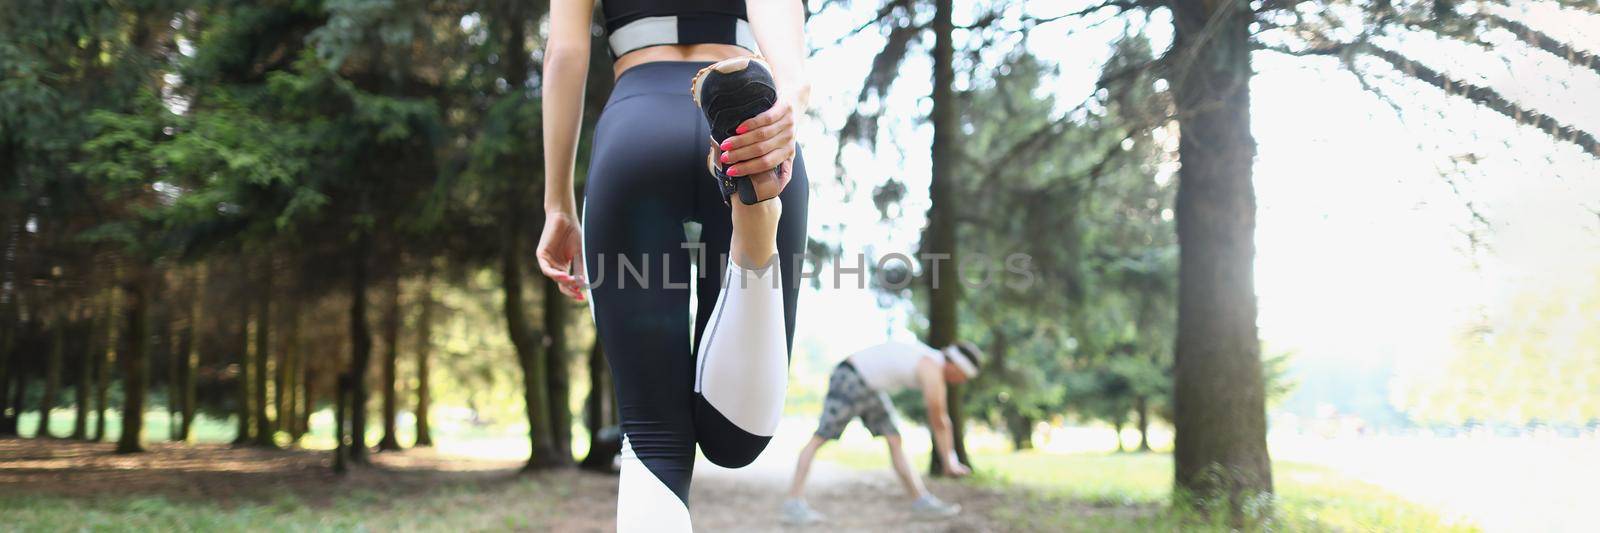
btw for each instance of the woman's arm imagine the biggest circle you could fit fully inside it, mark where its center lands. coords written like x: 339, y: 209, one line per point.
x: 779, y: 26
x: 767, y: 140
x: 566, y: 66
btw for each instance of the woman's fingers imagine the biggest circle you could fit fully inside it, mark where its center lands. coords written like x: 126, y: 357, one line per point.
x: 550, y: 267
x: 764, y: 162
x: 772, y: 115
x: 569, y: 284
x: 771, y: 140
x: 572, y: 286
x: 762, y: 142
x: 578, y: 266
x: 572, y: 291
x: 757, y: 135
x: 768, y: 124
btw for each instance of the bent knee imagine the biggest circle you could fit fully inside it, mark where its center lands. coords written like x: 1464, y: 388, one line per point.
x: 724, y: 443
x: 734, y: 451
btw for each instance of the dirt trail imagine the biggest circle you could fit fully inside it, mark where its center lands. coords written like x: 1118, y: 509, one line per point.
x: 722, y: 500
x: 747, y: 499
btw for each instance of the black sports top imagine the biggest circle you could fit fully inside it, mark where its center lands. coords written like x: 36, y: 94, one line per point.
x: 635, y: 24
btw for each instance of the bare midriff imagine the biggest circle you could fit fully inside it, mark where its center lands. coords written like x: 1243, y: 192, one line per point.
x: 676, y: 52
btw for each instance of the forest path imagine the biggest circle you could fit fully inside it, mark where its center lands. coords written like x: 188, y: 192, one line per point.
x: 746, y: 499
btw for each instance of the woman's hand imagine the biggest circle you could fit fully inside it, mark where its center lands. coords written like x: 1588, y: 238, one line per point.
x: 560, y: 252
x: 762, y: 143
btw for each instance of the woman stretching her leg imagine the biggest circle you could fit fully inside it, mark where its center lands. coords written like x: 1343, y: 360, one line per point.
x: 723, y: 388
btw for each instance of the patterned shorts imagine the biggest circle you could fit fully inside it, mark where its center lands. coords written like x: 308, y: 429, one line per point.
x: 850, y: 397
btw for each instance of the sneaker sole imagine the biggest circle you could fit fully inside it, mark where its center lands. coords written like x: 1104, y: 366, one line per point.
x: 767, y: 96
x: 745, y: 188
x: 726, y: 66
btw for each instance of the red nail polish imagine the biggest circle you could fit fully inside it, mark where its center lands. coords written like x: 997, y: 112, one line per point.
x: 726, y: 145
x: 725, y: 157
x: 733, y: 172
x: 741, y: 129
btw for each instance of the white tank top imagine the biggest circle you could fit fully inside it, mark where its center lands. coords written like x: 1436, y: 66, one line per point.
x: 892, y: 366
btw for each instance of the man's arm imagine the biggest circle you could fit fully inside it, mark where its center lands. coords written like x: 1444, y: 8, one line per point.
x: 931, y: 374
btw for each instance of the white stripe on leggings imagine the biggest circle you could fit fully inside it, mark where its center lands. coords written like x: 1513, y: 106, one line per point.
x: 744, y: 360
x: 644, y: 503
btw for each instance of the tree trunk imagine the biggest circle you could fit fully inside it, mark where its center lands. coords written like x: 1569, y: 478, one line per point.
x: 1021, y: 430
x: 135, y: 366
x: 424, y: 351
x: 8, y: 415
x: 191, y: 350
x: 13, y: 383
x: 289, y: 370
x: 242, y: 348
x: 391, y: 359
x: 1220, y: 450
x: 174, y: 373
x: 306, y: 401
x: 8, y: 314
x: 85, y: 378
x: 600, y: 408
x: 264, y: 436
x: 529, y: 354
x: 1117, y: 425
x: 343, y: 442
x: 282, y: 394
x: 1141, y: 406
x: 108, y: 357
x: 19, y: 391
x: 599, y: 412
x: 526, y: 341
x: 360, y: 352
x: 52, y: 373
x: 557, y: 370
x: 938, y: 248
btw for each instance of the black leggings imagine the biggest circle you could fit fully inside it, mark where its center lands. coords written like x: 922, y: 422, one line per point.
x: 647, y: 179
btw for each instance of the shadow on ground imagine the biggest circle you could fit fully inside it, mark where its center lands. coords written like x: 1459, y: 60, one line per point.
x: 227, y: 474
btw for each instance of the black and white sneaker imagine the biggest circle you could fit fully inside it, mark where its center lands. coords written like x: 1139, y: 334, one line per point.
x: 730, y: 92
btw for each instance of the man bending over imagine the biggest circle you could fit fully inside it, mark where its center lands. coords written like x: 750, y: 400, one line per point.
x: 860, y: 387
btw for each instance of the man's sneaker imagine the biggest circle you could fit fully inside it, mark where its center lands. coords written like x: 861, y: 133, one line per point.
x: 796, y: 512
x: 931, y: 508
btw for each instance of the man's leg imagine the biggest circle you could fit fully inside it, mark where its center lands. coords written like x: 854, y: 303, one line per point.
x: 902, y: 467
x: 802, y: 468
x: 879, y: 417
x: 845, y: 389
x: 837, y: 410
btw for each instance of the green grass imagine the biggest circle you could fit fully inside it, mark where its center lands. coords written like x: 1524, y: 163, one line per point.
x: 1131, y: 492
